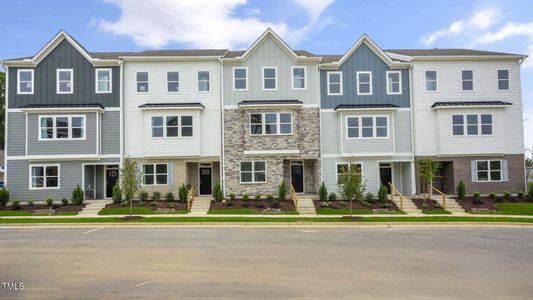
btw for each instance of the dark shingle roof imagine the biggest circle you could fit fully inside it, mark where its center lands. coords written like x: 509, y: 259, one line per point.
x: 446, y: 52
x: 233, y: 54
x: 269, y: 102
x: 469, y: 103
x: 330, y: 58
x: 66, y: 105
x: 357, y: 106
x: 191, y: 52
x: 176, y: 105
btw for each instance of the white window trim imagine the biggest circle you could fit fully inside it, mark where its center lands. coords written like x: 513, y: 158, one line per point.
x: 374, y: 127
x: 465, y: 126
x: 436, y: 81
x: 19, y: 92
x: 389, y: 92
x: 155, y: 174
x: 463, y: 80
x: 253, y: 172
x: 263, y: 124
x: 70, y: 138
x: 179, y: 81
x: 340, y: 83
x: 305, y: 78
x: 370, y: 82
x: 110, y: 80
x: 245, y: 78
x: 137, y: 82
x: 275, y: 78
x: 71, y: 81
x: 508, y: 80
x: 180, y: 136
x: 44, y: 177
x: 346, y: 163
x: 488, y: 170
x: 198, y: 81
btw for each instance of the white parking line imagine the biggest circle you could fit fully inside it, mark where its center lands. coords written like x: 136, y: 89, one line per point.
x: 93, y: 230
x: 143, y: 283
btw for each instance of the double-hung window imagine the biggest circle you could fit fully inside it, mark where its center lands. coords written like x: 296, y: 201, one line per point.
x: 142, y: 82
x: 172, y: 126
x: 364, y: 83
x: 474, y: 125
x: 65, y: 81
x: 61, y: 127
x: 344, y: 169
x: 489, y: 170
x: 334, y: 83
x: 203, y: 81
x: 240, y: 79
x: 253, y: 171
x: 431, y: 81
x: 394, y: 82
x: 44, y: 176
x: 270, y: 123
x: 173, y: 82
x: 103, y: 81
x: 467, y: 80
x: 298, y: 78
x: 270, y: 78
x: 25, y: 81
x: 367, y: 127
x: 503, y: 80
x: 155, y: 174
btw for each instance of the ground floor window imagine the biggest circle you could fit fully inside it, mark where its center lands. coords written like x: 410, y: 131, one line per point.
x: 343, y: 168
x: 489, y: 170
x: 155, y: 174
x: 44, y: 176
x: 253, y: 172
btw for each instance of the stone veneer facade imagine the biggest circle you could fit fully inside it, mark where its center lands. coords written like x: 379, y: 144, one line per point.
x: 305, y: 138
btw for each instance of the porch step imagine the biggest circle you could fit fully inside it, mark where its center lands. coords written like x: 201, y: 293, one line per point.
x: 451, y: 205
x: 306, y: 206
x: 200, y: 206
x: 408, y: 206
x: 93, y: 207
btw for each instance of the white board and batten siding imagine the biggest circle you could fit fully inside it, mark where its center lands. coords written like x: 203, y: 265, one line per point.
x: 207, y: 134
x: 433, y: 127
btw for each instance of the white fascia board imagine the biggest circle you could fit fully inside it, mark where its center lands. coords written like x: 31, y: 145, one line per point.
x: 270, y: 106
x: 272, y: 152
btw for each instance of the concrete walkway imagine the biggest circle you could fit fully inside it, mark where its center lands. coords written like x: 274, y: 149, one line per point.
x: 200, y: 206
x: 92, y: 207
x: 306, y: 206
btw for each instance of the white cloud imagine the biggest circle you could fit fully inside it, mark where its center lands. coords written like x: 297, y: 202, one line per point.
x: 479, y: 20
x: 510, y: 29
x: 199, y: 23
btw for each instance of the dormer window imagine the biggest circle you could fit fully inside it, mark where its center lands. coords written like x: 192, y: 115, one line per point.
x: 65, y: 81
x: 25, y: 81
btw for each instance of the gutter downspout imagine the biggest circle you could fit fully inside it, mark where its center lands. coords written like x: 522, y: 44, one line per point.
x: 222, y: 153
x: 413, y: 124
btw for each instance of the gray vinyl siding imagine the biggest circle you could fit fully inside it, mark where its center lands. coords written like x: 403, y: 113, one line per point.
x: 16, y: 134
x: 407, y: 181
x: 110, y: 121
x: 100, y: 182
x: 402, y: 131
x: 329, y: 132
x: 270, y: 54
x: 44, y: 147
x: 364, y: 59
x: 64, y: 56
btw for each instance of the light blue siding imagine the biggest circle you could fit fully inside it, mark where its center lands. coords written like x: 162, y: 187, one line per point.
x: 110, y: 132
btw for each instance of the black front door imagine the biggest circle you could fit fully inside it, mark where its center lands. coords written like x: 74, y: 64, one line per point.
x: 385, y: 176
x: 297, y: 177
x: 205, y: 181
x: 111, y: 176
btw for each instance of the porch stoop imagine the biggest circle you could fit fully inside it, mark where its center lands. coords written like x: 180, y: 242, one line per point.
x: 409, y: 206
x: 201, y: 205
x: 451, y: 205
x: 92, y: 207
x: 306, y: 206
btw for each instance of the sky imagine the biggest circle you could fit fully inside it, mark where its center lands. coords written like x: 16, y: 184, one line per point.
x: 319, y: 26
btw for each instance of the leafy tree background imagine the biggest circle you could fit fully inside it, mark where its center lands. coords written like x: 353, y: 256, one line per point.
x: 2, y: 102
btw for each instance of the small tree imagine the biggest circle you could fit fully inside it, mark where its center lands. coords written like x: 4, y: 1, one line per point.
x: 382, y: 193
x: 217, y: 192
x: 130, y: 180
x: 116, y: 193
x: 282, y: 192
x: 427, y: 171
x: 77, y: 196
x: 323, y: 192
x: 182, y: 192
x: 461, y: 190
x: 4, y: 197
x: 351, y: 185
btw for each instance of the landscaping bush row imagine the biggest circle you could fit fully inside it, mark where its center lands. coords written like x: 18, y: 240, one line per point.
x: 76, y: 199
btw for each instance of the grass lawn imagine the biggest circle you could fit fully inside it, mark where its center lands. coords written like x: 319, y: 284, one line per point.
x: 137, y: 211
x: 514, y: 208
x: 29, y: 213
x: 246, y: 211
x: 346, y: 211
x: 436, y: 212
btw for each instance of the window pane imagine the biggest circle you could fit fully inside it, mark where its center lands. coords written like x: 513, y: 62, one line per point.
x: 37, y: 182
x: 161, y: 179
x: 431, y: 75
x: 157, y: 132
x: 256, y: 129
x: 483, y: 176
x: 503, y: 74
x: 172, y: 121
x: 148, y: 169
x: 173, y: 76
x: 142, y: 76
x: 62, y: 133
x: 173, y: 86
x: 367, y: 121
x: 51, y: 182
x: 458, y: 130
x: 157, y: 121
x: 486, y: 129
x: 37, y: 171
x: 240, y: 84
x: 161, y: 168
x: 259, y: 166
x: 103, y: 75
x: 271, y: 118
x: 285, y: 118
x: 25, y: 76
x: 353, y: 132
x: 381, y: 132
x: 431, y: 85
x: 142, y: 87
x: 467, y: 75
x: 149, y: 179
x: 240, y: 73
x: 468, y: 85
x: 471, y: 119
x: 482, y: 165
x: 472, y: 129
x: 496, y: 176
x: 394, y: 77
x: 77, y: 133
x: 271, y: 129
x: 368, y: 132
x: 364, y: 88
x: 495, y: 165
x: 269, y: 72
x: 270, y: 83
x: 334, y: 77
x: 503, y: 84
x: 186, y: 120
x: 65, y: 75
x: 172, y: 131
x: 255, y: 118
x: 246, y: 166
x: 298, y: 72
x: 186, y: 131
x: 77, y: 122
x: 51, y: 171
x: 62, y: 122
x: 246, y: 177
x: 299, y: 83
x: 381, y: 121
x: 203, y: 86
x: 259, y: 177
x: 65, y: 86
x: 363, y: 77
x: 47, y: 122
x: 103, y: 86
x: 353, y: 122
x: 285, y: 128
x: 334, y: 88
x: 458, y: 119
x: 486, y: 119
x: 203, y: 75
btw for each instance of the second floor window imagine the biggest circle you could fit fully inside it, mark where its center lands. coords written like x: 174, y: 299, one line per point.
x: 343, y: 170
x: 172, y: 126
x: 61, y: 127
x: 25, y: 81
x: 155, y: 174
x: 394, y: 82
x: 240, y: 79
x: 253, y: 172
x: 431, y: 81
x: 173, y: 82
x: 467, y: 80
x: 270, y: 123
x: 103, y: 80
x: 367, y: 127
x: 503, y: 80
x: 474, y: 125
x: 203, y: 81
x: 334, y: 83
x: 65, y: 81
x: 142, y: 82
x: 364, y: 83
x: 298, y: 78
x: 270, y: 78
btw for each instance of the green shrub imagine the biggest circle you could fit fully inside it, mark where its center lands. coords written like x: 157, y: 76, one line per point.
x: 245, y: 196
x: 156, y: 196
x: 369, y: 197
x: 64, y: 201
x: 507, y: 195
x: 520, y: 195
x: 49, y: 201
x: 332, y: 197
x: 530, y: 190
x: 124, y: 203
x: 270, y: 197
x: 182, y: 192
x: 492, y: 195
x: 282, y: 192
x: 461, y: 190
x: 116, y: 193
x: 4, y: 197
x: 16, y: 205
x: 232, y: 196
x: 77, y: 196
x: 477, y: 199
x: 258, y: 196
x: 169, y: 197
x: 217, y: 192
x: 382, y: 193
x: 30, y: 203
x: 171, y: 205
x: 323, y: 192
x: 476, y: 194
x: 143, y: 196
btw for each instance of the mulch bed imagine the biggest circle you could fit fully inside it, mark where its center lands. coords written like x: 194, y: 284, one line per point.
x: 337, y: 204
x: 258, y: 205
x: 486, y: 203
x: 160, y: 204
x: 56, y: 207
x: 424, y: 204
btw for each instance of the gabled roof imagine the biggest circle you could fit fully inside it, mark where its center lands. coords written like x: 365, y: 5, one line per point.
x: 451, y: 104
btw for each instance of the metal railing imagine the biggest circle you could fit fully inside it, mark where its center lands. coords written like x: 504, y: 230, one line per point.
x: 294, y: 196
x: 442, y: 195
x: 190, y: 197
x: 393, y: 191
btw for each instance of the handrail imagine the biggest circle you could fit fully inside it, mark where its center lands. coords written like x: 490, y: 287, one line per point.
x: 395, y: 190
x: 294, y: 196
x: 190, y: 197
x: 443, y: 196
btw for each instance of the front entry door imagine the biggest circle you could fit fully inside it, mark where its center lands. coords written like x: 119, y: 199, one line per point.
x: 297, y: 176
x: 205, y: 181
x: 111, y: 176
x: 385, y: 175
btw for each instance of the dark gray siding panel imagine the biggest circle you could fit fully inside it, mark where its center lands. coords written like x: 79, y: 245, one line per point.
x: 111, y: 132
x: 364, y: 59
x: 16, y: 135
x: 64, y: 56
